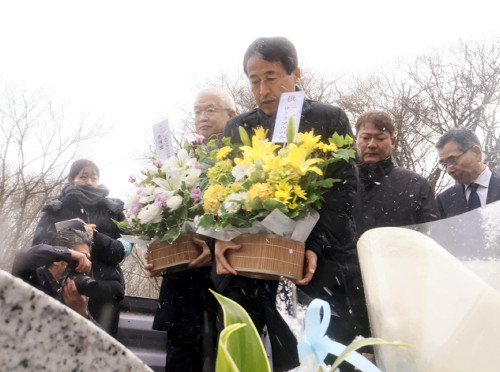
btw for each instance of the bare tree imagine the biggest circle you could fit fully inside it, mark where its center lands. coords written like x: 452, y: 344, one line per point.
x: 426, y: 97
x: 237, y: 86
x: 37, y: 143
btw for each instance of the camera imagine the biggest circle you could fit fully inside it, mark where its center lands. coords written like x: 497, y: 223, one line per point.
x: 86, y: 285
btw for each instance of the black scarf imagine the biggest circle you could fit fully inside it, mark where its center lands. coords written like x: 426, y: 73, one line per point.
x: 84, y: 196
x: 371, y: 173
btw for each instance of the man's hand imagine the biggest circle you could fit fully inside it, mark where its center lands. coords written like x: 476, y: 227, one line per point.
x: 74, y: 300
x: 83, y: 263
x: 205, y: 258
x: 149, y: 267
x: 89, y: 228
x: 310, y: 264
x: 222, y: 266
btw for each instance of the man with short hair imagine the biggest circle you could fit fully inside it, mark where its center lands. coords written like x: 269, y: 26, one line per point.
x: 271, y: 65
x: 460, y: 154
x: 388, y: 195
x: 213, y: 107
x: 43, y: 267
x: 186, y: 309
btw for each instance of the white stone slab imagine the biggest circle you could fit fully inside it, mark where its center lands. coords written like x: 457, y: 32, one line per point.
x: 39, y: 333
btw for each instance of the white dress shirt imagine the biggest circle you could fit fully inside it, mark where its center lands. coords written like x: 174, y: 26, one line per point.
x: 483, y: 180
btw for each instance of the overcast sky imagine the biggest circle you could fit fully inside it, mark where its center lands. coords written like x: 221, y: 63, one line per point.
x: 133, y: 63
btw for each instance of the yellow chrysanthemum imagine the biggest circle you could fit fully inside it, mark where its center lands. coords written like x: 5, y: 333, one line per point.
x: 299, y: 191
x: 262, y: 190
x: 308, y: 141
x: 327, y: 148
x: 211, y: 198
x: 223, y: 153
x: 283, y: 192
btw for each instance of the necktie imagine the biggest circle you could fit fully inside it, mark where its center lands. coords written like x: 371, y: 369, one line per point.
x: 474, y: 201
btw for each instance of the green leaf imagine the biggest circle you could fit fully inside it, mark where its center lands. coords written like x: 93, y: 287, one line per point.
x: 341, y: 141
x: 242, y: 348
x: 225, y: 362
x: 358, y: 344
x: 172, y: 234
x: 290, y: 131
x: 255, y: 204
x: 244, y: 137
x: 272, y: 204
x: 226, y: 141
x: 225, y: 179
x: 208, y: 221
x: 122, y: 225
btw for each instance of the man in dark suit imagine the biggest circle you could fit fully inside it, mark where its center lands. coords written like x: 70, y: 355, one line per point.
x: 186, y: 309
x: 461, y: 156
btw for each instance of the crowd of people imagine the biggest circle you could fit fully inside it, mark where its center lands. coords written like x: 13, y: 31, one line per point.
x: 375, y: 193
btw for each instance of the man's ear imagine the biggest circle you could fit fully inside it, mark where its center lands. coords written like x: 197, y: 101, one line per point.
x: 478, y: 152
x: 231, y: 113
x: 297, y: 74
x: 393, y: 141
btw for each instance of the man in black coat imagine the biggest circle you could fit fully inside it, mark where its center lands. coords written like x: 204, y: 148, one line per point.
x: 460, y: 154
x: 388, y: 195
x: 186, y: 309
x: 44, y: 267
x: 332, y: 268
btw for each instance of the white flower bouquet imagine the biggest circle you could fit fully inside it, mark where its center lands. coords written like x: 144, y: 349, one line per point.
x: 167, y: 197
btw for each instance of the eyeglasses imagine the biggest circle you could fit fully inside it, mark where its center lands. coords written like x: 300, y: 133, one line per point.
x: 451, y: 161
x: 210, y: 111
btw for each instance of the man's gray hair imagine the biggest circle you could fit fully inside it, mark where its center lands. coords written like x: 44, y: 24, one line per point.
x: 225, y: 100
x: 463, y: 137
x: 70, y: 238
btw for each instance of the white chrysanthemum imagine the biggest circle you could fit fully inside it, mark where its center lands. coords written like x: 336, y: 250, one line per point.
x: 231, y: 203
x: 131, y: 199
x: 147, y: 194
x: 150, y: 214
x: 242, y: 171
x: 174, y: 202
x: 191, y: 176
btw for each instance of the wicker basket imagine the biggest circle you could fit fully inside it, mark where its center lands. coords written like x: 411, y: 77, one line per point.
x: 267, y: 256
x: 175, y: 256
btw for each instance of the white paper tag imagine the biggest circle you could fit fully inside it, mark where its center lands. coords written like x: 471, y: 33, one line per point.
x: 290, y: 107
x: 163, y: 140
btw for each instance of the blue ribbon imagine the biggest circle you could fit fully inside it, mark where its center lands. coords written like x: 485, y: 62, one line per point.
x: 320, y: 345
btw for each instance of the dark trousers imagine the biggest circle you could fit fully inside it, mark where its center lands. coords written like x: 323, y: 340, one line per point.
x: 258, y: 298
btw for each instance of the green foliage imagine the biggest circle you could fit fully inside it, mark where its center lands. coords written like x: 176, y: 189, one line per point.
x: 358, y: 344
x: 240, y: 347
x: 290, y: 131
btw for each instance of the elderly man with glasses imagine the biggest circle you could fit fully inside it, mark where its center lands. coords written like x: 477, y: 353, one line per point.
x: 460, y: 154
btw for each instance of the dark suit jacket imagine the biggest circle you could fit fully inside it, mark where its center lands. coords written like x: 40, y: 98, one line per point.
x: 452, y: 201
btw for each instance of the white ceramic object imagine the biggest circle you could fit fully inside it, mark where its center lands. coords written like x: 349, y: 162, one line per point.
x: 419, y: 294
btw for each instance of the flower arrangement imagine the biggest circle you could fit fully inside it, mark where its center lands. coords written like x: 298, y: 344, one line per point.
x: 245, y: 183
x: 168, y: 196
